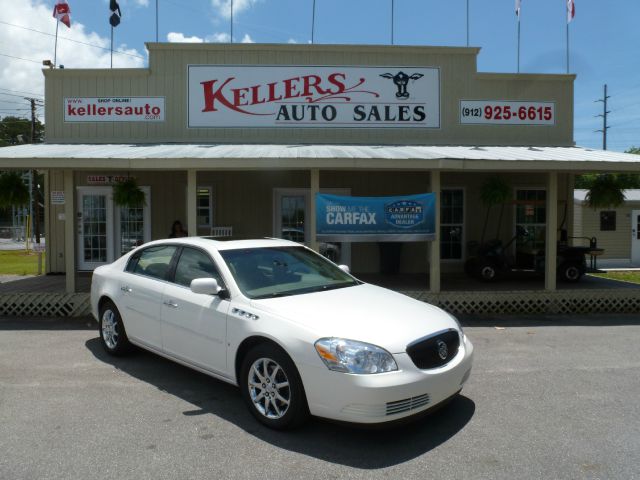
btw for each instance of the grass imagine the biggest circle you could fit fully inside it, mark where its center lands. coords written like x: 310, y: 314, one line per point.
x: 633, y: 277
x: 19, y: 262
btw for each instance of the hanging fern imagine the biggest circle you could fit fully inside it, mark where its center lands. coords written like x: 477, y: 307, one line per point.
x: 605, y: 191
x: 127, y: 193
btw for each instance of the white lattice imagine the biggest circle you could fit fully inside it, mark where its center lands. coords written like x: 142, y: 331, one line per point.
x: 45, y: 304
x: 528, y: 302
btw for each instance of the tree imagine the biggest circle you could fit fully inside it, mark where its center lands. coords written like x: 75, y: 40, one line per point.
x: 15, y: 130
x: 13, y: 191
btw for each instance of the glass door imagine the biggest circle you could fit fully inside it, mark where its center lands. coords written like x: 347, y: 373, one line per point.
x: 290, y: 213
x: 95, y: 227
x: 133, y: 227
x: 635, y: 236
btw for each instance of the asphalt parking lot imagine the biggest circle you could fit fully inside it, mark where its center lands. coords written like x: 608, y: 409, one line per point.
x: 549, y: 397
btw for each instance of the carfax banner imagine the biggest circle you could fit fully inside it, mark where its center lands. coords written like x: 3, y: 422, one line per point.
x: 408, y: 218
x: 313, y: 96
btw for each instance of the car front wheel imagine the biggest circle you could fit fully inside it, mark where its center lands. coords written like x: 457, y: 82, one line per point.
x: 272, y: 389
x: 112, y: 333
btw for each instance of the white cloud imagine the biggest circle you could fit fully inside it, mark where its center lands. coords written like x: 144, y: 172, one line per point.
x: 247, y: 39
x: 177, y: 37
x: 142, y: 3
x: 223, y: 7
x: 26, y: 76
x: 219, y: 38
x: 292, y: 40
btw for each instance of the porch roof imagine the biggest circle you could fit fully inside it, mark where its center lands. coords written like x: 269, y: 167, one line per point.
x: 179, y: 156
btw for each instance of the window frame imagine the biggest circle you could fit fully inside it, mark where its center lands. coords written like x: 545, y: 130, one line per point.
x: 514, y: 247
x: 211, y: 206
x: 132, y: 262
x: 614, y: 214
x: 463, y: 250
x: 176, y: 259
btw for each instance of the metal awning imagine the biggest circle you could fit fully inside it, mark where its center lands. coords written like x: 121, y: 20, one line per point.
x: 180, y: 156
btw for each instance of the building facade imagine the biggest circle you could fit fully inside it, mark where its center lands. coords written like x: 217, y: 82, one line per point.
x: 236, y: 140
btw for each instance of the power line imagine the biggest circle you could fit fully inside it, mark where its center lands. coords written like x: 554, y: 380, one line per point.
x: 2, y: 100
x: 72, y: 40
x: 20, y: 91
x: 20, y: 58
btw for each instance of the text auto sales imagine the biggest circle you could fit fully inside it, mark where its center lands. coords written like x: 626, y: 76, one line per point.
x: 312, y: 90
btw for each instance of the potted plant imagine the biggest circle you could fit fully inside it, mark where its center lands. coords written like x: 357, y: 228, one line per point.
x: 128, y: 194
x: 494, y: 191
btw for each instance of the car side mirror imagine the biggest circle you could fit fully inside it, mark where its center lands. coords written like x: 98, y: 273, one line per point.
x: 206, y: 286
x: 344, y: 268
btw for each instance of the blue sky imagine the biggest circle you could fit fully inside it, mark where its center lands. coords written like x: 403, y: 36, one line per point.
x: 605, y: 39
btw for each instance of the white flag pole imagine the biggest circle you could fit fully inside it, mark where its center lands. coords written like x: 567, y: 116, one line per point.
x: 518, y: 43
x: 467, y: 23
x: 313, y: 22
x: 231, y: 21
x: 567, y: 47
x: 156, y: 21
x: 393, y: 7
x: 55, y: 48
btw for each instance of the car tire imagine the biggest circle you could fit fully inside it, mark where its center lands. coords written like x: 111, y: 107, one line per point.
x: 278, y: 402
x: 486, y: 271
x: 570, y: 272
x: 113, y: 335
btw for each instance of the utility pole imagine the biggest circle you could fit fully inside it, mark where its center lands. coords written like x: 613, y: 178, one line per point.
x: 604, y: 114
x: 35, y: 204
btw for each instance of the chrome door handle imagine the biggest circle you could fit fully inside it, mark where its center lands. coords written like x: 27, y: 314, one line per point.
x: 171, y: 304
x: 126, y: 289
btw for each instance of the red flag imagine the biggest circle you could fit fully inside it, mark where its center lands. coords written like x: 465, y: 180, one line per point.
x: 62, y: 12
x: 571, y: 10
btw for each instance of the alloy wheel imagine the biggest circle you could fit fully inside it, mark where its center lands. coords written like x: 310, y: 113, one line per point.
x: 269, y: 388
x: 110, y: 328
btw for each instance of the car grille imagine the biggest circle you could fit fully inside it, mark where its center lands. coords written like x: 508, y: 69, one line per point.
x: 407, y: 404
x: 425, y: 353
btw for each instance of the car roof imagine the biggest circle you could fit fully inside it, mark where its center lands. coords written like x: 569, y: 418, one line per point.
x: 210, y: 242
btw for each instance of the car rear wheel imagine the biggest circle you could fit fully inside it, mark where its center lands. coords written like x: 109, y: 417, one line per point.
x: 272, y: 389
x: 112, y: 333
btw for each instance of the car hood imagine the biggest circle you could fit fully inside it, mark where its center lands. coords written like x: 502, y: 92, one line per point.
x: 366, y: 313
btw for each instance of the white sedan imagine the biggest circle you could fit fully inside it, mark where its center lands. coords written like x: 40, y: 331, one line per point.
x: 298, y: 334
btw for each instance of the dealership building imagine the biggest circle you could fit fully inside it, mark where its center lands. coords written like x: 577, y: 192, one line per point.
x: 237, y: 140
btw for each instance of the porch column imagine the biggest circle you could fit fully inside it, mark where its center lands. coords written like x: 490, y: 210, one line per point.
x: 551, y: 246
x: 192, y: 222
x: 434, y: 246
x: 70, y: 223
x: 315, y: 188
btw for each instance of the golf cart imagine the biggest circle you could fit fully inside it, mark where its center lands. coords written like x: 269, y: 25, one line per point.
x: 492, y: 260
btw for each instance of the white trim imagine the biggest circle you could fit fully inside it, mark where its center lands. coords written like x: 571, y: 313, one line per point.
x: 82, y: 265
x: 464, y: 226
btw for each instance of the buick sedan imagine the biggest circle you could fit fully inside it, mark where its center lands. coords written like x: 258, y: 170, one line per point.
x: 296, y: 333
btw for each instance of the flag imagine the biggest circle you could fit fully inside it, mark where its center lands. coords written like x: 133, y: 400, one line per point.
x: 571, y: 10
x: 114, y: 19
x: 518, y: 8
x: 62, y: 12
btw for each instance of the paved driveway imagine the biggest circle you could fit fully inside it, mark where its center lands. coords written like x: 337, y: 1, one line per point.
x: 548, y: 398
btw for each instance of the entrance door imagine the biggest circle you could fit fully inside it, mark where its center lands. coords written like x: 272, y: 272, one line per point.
x: 290, y: 213
x: 635, y: 236
x: 133, y: 226
x: 95, y: 227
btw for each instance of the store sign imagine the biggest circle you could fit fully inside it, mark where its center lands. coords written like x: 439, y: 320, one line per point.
x: 105, y: 179
x: 114, y: 109
x: 308, y: 96
x: 502, y: 112
x: 370, y: 219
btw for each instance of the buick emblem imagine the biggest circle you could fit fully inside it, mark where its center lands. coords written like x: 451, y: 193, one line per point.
x: 443, y: 351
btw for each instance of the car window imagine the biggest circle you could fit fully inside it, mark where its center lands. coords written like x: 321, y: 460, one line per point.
x: 195, y: 264
x: 155, y: 261
x: 280, y: 271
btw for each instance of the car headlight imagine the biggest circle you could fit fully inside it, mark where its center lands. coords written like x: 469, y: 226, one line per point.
x: 350, y: 356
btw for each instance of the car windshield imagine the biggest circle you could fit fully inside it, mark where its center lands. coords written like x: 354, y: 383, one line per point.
x: 282, y: 271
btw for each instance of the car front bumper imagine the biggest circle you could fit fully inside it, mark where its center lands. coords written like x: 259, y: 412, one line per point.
x: 384, y: 397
